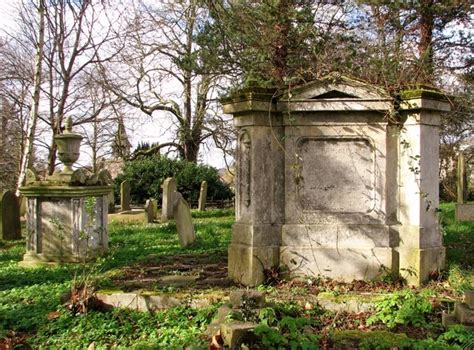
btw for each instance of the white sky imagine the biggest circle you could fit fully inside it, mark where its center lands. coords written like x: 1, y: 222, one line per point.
x: 145, y: 129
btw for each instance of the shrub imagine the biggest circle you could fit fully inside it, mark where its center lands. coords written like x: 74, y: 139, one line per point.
x: 146, y: 175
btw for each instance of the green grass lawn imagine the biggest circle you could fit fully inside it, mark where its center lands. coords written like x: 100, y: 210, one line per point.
x: 31, y: 310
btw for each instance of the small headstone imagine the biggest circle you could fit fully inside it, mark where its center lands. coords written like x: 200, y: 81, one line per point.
x: 111, y: 202
x: 124, y: 196
x: 149, y: 216
x: 154, y: 204
x: 9, y: 216
x: 169, y: 189
x: 184, y: 222
x: 202, y: 196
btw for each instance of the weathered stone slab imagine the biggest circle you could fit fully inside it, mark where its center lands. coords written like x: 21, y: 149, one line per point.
x: 464, y: 314
x: 236, y: 333
x: 10, y: 228
x: 184, y: 221
x: 464, y: 212
x: 149, y: 215
x: 202, y: 196
x: 251, y: 298
x: 469, y: 298
x: 169, y: 189
x: 125, y: 196
x: 138, y: 302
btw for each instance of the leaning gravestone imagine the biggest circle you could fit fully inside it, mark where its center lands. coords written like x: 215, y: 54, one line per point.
x: 125, y: 196
x: 202, y: 196
x: 184, y: 222
x: 9, y: 216
x: 169, y: 188
x: 149, y: 215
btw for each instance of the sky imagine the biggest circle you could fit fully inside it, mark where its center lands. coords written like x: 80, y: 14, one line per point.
x: 144, y: 129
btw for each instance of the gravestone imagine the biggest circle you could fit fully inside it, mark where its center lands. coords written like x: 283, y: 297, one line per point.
x: 125, y: 196
x: 169, y: 189
x: 154, y: 204
x: 10, y: 228
x: 464, y: 211
x: 149, y: 215
x: 327, y: 185
x: 111, y: 202
x: 202, y: 196
x: 184, y: 221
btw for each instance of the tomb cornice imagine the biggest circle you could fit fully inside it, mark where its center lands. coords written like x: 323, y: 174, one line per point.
x: 65, y: 191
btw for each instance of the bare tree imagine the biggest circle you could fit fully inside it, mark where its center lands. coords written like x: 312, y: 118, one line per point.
x: 161, y: 71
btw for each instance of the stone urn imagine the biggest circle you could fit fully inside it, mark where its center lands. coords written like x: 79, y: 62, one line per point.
x: 68, y: 144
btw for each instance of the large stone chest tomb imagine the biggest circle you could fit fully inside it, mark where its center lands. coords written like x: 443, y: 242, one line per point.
x: 336, y: 179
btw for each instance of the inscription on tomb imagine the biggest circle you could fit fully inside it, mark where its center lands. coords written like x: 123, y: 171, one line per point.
x: 337, y: 174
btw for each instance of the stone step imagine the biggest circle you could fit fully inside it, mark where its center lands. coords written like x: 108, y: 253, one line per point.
x: 464, y: 314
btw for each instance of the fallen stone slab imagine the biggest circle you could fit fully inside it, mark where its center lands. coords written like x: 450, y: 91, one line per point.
x: 138, y: 302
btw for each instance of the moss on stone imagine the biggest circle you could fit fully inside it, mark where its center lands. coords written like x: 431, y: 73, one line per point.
x: 422, y: 92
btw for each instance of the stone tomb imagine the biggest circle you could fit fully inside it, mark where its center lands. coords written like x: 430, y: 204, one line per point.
x: 332, y: 182
x: 10, y: 228
x: 65, y: 223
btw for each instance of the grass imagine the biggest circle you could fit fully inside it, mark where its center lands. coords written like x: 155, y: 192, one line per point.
x: 31, y: 309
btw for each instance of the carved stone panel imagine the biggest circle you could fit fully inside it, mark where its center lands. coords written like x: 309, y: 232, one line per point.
x: 337, y: 174
x: 245, y: 169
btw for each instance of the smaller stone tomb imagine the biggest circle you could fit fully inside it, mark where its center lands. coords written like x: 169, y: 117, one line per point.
x: 169, y: 188
x: 202, y: 196
x: 65, y: 223
x: 10, y: 228
x: 125, y: 196
x: 66, y: 215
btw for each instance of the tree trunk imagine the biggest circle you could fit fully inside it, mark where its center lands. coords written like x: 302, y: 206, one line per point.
x: 28, y: 150
x: 425, y: 45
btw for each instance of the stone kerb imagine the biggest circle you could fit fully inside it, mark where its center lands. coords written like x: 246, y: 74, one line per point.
x: 169, y: 189
x: 202, y: 196
x: 10, y: 228
x: 297, y: 187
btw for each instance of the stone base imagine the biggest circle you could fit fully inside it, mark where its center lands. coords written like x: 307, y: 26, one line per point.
x: 31, y: 259
x: 416, y: 265
x: 465, y: 212
x: 247, y: 264
x: 344, y: 264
